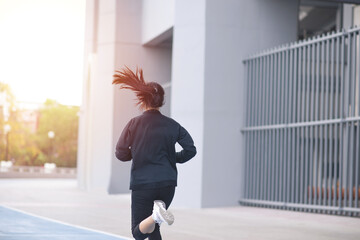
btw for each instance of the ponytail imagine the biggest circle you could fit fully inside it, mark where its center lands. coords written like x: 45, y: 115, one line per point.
x: 149, y: 94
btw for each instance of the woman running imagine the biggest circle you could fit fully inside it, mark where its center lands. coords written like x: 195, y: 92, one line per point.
x: 149, y: 140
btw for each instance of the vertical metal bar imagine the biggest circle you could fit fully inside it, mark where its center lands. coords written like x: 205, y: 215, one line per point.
x: 258, y: 173
x: 290, y: 145
x: 307, y: 118
x: 258, y: 133
x: 270, y: 117
x: 252, y: 158
x: 273, y: 166
x: 285, y: 136
x: 262, y: 165
x: 252, y: 70
x: 263, y: 151
x: 258, y: 161
x: 263, y: 160
x: 274, y: 132
x: 316, y: 117
x: 248, y: 169
x: 353, y: 73
x: 312, y: 137
x: 342, y: 125
x: 267, y: 143
x: 267, y: 140
x: 278, y: 62
x: 332, y: 98
x: 248, y: 107
x: 256, y: 143
x: 357, y: 158
x: 303, y: 137
x: 256, y: 92
x: 293, y: 130
x: 273, y: 114
x: 321, y: 118
x: 274, y: 91
x: 337, y: 115
x: 258, y: 110
x: 347, y: 114
x: 251, y: 162
x: 282, y: 144
x: 272, y: 135
x: 264, y: 156
x: 265, y: 165
x: 299, y: 92
x: 351, y: 164
x: 352, y: 126
x: 267, y: 122
x: 280, y: 131
x: 246, y: 165
x: 326, y: 127
x: 251, y: 77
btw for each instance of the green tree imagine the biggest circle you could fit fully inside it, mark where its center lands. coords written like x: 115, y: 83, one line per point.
x: 63, y: 121
x: 8, y: 99
x: 34, y: 149
x: 21, y: 145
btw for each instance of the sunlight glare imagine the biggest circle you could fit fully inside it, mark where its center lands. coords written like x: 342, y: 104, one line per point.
x: 41, y: 49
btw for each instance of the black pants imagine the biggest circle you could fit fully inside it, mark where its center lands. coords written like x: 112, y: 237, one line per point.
x: 142, y: 202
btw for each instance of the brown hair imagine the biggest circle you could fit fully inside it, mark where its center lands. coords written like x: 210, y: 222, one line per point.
x: 149, y: 94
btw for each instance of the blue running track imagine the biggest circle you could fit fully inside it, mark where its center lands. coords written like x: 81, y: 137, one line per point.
x: 16, y: 225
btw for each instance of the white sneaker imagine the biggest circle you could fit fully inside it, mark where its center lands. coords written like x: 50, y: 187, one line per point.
x: 160, y: 214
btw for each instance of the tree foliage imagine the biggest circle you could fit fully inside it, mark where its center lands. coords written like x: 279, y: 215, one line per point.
x: 63, y: 121
x: 35, y: 148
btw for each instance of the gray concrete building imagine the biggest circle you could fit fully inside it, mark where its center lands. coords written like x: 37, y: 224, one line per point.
x: 198, y: 51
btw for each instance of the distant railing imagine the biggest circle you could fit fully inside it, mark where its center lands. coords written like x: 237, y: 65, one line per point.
x: 35, y: 171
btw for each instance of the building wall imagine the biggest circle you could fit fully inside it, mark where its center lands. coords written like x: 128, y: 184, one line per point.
x: 233, y: 31
x: 157, y: 19
x: 203, y: 74
x: 211, y: 38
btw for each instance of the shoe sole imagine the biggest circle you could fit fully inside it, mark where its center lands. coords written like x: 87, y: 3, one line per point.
x: 166, y: 216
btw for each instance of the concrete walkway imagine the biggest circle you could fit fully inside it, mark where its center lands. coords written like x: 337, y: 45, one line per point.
x: 17, y: 225
x: 59, y: 199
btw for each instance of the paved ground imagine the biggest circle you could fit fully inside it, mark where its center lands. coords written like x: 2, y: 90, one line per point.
x: 17, y: 225
x: 59, y: 199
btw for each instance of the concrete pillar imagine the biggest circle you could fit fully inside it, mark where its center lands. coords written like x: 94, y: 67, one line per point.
x: 95, y: 136
x: 187, y: 93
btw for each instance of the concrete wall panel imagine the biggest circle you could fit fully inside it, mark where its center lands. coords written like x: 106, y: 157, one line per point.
x: 234, y: 30
x: 157, y: 17
x: 187, y: 96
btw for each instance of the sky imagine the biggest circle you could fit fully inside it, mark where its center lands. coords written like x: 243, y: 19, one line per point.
x: 41, y: 49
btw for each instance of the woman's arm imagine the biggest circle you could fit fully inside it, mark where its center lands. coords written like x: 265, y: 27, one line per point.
x: 123, y: 146
x: 187, y: 143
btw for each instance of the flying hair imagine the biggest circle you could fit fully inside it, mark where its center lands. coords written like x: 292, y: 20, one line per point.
x: 149, y: 94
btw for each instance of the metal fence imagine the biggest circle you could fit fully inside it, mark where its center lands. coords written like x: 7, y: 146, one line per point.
x: 302, y: 139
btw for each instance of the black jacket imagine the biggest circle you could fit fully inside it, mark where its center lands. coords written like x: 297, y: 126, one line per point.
x: 149, y: 139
